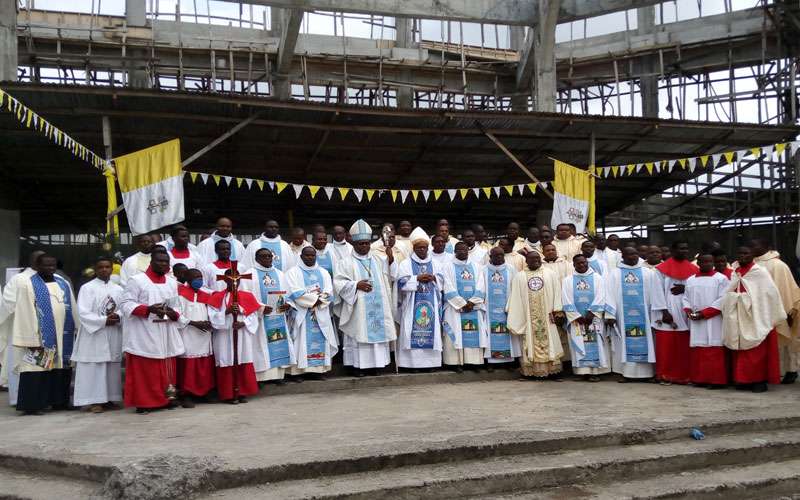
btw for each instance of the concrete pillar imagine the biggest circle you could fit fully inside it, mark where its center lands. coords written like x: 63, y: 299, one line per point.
x: 646, y: 21
x: 135, y: 15
x: 404, y: 39
x: 519, y: 103
x: 517, y: 38
x: 545, y: 85
x: 8, y: 40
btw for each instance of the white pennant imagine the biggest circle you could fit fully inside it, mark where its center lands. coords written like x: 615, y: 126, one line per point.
x: 767, y: 150
x: 228, y: 179
x: 521, y: 189
x: 249, y: 183
x: 425, y: 194
x: 271, y: 185
x: 359, y: 193
x: 298, y: 188
x: 638, y: 167
x: 328, y: 191
x: 692, y: 164
x: 496, y: 191
x: 793, y: 146
x: 403, y: 195
x: 477, y: 192
x: 606, y: 171
x: 452, y: 194
x: 204, y: 177
x: 543, y: 185
x: 715, y: 160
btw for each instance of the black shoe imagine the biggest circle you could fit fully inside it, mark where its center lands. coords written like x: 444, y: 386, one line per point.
x: 280, y: 382
x: 789, y: 378
x: 360, y: 374
x: 715, y: 387
x: 759, y: 387
x: 142, y: 411
x: 32, y: 413
x: 243, y: 400
x: 459, y: 369
x: 187, y: 402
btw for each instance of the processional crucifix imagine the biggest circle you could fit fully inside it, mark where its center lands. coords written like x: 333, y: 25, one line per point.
x: 232, y: 279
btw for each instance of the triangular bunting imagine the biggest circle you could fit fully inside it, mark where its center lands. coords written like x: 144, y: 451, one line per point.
x: 487, y: 191
x: 703, y: 161
x: 249, y: 183
x: 649, y: 167
x: 370, y: 194
x: 463, y: 193
x: 425, y: 194
x: 452, y: 194
x: 204, y: 178
x: 477, y: 192
x: 715, y: 160
x: 343, y: 191
x: 630, y: 168
x: 532, y: 187
x: 280, y: 186
x: 615, y: 170
x: 692, y: 164
x: 298, y: 189
x: 193, y: 176
x: 414, y: 194
x: 328, y: 192
x: 313, y: 190
x: 682, y: 163
x: 228, y: 179
x: 756, y: 152
x: 436, y: 194
x: 543, y: 184
x: 729, y: 157
x: 217, y: 179
x: 509, y: 189
x: 271, y: 185
x: 394, y: 195
x: 521, y: 189
x: 260, y: 185
x: 639, y: 167
x: 359, y: 194
x: 780, y: 147
x: 496, y: 190
x: 403, y: 195
x: 239, y: 182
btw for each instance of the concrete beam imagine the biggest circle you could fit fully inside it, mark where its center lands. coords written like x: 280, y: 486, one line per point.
x: 511, y: 12
x: 645, y: 24
x: 290, y: 21
x: 135, y: 12
x: 8, y: 41
x: 136, y: 16
x: 538, y: 57
x: 405, y: 39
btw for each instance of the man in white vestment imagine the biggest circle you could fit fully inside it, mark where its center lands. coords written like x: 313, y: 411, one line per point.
x: 443, y: 230
x: 218, y: 266
x: 274, y: 349
x: 341, y: 247
x: 503, y: 346
x: 298, y: 242
x: 438, y: 254
x: 567, y: 245
x: 466, y: 334
x: 195, y: 367
x: 151, y: 340
x: 612, y: 251
x: 8, y: 378
x: 476, y: 254
x: 138, y: 262
x: 223, y: 232
x: 378, y: 246
x: 45, y: 325
x: 596, y: 261
x: 533, y: 311
x: 480, y: 237
x: 180, y: 250
x: 634, y: 294
x: 98, y: 349
x: 403, y: 237
x: 283, y: 258
x: 364, y: 284
x: 584, y: 302
x: 511, y: 257
x: 420, y: 283
x: 310, y: 293
x: 531, y: 243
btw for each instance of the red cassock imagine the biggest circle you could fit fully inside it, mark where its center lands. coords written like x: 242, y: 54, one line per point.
x: 146, y: 381
x: 708, y: 365
x: 672, y: 356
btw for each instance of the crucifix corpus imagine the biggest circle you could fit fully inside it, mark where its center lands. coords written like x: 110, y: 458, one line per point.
x: 232, y: 279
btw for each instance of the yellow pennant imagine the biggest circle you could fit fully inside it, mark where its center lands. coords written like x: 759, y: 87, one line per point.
x: 370, y: 194
x: 436, y: 194
x: 280, y: 186
x: 615, y: 170
x: 755, y: 152
x: 630, y: 168
x: 394, y: 195
x: 704, y: 160
x: 260, y: 185
x: 343, y: 192
x: 487, y: 191
x: 649, y: 167
x: 217, y: 178
x: 780, y: 147
x: 414, y: 193
x: 729, y: 156
x: 509, y: 189
x: 193, y: 176
x: 29, y: 118
x: 463, y: 192
x: 682, y: 163
x: 313, y: 190
x: 532, y: 187
x: 239, y: 182
x: 2, y: 96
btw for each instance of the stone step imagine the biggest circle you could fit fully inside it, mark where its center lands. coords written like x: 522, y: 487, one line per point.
x: 534, y: 471
x: 19, y: 485
x: 779, y: 479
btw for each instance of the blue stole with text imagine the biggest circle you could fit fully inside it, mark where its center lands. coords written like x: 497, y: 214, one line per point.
x: 275, y: 326
x: 424, y: 315
x: 315, y: 339
x: 634, y: 315
x: 465, y: 283
x: 583, y: 293
x: 46, y: 319
x: 373, y: 302
x: 497, y: 298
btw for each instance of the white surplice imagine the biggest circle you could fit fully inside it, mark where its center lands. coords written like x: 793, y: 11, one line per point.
x: 407, y: 285
x: 313, y: 298
x: 142, y: 336
x: 568, y: 248
x: 133, y: 265
x: 440, y: 259
x: 222, y: 336
x: 7, y: 375
x: 674, y: 305
x: 210, y: 272
x: 477, y: 255
x: 702, y: 292
x: 283, y: 258
x: 193, y: 261
x: 98, y: 348
x: 612, y: 257
x: 209, y: 254
x: 362, y: 350
x: 342, y: 248
x: 598, y: 263
x: 574, y: 309
x: 454, y: 353
x: 653, y: 302
x: 197, y: 343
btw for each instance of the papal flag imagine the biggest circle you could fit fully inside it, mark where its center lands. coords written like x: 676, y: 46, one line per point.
x: 151, y: 181
x: 573, y: 198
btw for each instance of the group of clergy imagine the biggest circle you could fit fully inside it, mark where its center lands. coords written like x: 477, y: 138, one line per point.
x: 224, y: 317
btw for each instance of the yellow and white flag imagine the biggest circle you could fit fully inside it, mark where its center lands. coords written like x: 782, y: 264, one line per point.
x: 573, y: 197
x: 151, y: 181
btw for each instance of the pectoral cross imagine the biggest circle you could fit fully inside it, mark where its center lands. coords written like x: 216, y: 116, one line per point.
x: 232, y: 280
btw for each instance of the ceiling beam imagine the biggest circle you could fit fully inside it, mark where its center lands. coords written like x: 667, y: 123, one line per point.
x: 290, y: 21
x: 510, y: 12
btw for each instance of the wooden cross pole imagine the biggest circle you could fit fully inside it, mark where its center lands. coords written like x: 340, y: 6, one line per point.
x: 232, y: 279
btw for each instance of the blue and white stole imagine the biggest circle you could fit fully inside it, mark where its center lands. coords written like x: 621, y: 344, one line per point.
x: 373, y: 301
x: 449, y: 247
x: 634, y: 315
x: 424, y: 315
x: 497, y: 298
x: 275, y: 327
x: 315, y: 339
x: 596, y: 266
x: 465, y: 283
x: 233, y: 246
x: 277, y: 255
x: 46, y: 320
x: 325, y: 261
x: 583, y: 296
